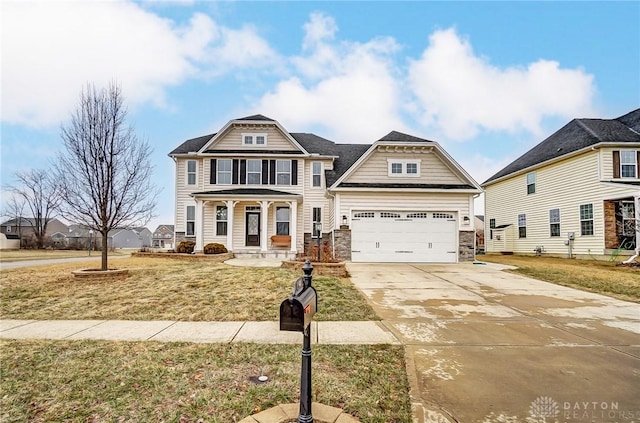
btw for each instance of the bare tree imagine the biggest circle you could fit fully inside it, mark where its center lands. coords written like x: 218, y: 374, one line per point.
x: 40, y: 192
x: 14, y: 209
x: 105, y: 170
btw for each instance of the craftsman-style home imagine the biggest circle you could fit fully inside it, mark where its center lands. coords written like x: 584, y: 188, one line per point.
x: 261, y: 190
x: 577, y: 193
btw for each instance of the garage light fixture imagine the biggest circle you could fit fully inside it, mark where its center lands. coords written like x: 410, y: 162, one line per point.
x: 344, y: 219
x: 466, y: 220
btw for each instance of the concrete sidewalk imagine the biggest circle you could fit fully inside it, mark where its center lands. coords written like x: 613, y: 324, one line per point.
x: 368, y: 332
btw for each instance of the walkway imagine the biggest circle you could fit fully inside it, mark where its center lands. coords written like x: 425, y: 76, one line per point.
x: 43, y: 262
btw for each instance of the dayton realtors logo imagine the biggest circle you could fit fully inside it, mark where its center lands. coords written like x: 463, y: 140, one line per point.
x: 592, y: 411
x: 544, y: 407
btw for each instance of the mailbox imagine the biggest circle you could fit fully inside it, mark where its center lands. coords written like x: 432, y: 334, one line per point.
x: 297, y: 311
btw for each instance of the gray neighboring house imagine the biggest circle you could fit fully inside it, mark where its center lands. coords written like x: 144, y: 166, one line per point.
x: 130, y: 238
x: 163, y: 236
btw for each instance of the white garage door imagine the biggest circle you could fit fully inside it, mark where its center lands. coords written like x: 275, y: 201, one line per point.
x: 404, y: 237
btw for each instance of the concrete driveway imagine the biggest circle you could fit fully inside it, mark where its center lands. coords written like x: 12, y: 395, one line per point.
x: 483, y: 345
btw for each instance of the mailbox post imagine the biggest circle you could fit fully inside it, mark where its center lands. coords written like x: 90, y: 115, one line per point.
x: 296, y: 313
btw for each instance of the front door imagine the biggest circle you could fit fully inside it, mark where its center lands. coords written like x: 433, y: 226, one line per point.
x: 253, y: 229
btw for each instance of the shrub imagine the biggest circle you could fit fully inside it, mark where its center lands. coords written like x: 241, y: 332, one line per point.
x: 215, y: 248
x: 186, y: 247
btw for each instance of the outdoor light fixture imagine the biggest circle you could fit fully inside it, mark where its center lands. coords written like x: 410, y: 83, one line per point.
x: 344, y: 219
x: 90, y: 240
x: 466, y: 220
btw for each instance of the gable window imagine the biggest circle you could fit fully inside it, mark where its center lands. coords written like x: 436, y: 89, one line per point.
x: 316, y: 174
x: 522, y: 225
x: 192, y: 167
x: 406, y: 168
x: 224, y: 171
x: 254, y: 172
x: 628, y: 164
x: 586, y: 219
x: 531, y: 183
x: 492, y: 226
x: 254, y: 139
x: 554, y: 222
x: 282, y: 220
x: 316, y: 218
x: 191, y: 220
x: 221, y: 220
x: 283, y: 172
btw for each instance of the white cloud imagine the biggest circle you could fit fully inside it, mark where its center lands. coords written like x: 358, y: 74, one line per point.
x: 462, y: 94
x: 52, y: 49
x: 349, y: 90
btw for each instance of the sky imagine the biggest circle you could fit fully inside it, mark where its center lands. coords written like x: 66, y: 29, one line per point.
x: 487, y: 80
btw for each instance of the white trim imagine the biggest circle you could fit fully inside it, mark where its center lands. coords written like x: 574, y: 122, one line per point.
x: 186, y: 173
x: 230, y: 172
x: 314, y: 174
x: 403, y: 168
x: 187, y: 220
x: 253, y: 136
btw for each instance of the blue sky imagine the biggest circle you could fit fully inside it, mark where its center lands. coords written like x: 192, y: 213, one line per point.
x: 487, y: 80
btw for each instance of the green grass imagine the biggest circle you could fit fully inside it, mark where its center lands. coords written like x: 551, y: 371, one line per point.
x: 603, y: 277
x: 97, y: 381
x: 166, y: 289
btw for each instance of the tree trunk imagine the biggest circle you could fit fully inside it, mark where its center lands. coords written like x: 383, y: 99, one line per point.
x: 105, y: 250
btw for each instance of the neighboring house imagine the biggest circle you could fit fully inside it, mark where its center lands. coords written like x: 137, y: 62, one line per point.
x: 130, y: 238
x: 478, y: 225
x: 146, y: 236
x: 163, y: 236
x: 577, y: 192
x: 24, y: 228
x: 259, y: 189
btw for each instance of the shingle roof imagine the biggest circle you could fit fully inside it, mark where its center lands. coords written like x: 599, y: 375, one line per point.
x: 192, y: 145
x: 246, y: 191
x: 400, y: 137
x: 574, y: 136
x: 256, y: 117
x: 400, y: 186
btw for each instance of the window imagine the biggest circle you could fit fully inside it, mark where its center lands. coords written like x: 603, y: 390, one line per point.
x: 492, y: 226
x: 316, y: 218
x: 389, y: 215
x: 442, y: 216
x: 8, y: 229
x: 192, y: 167
x: 628, y: 219
x: 628, y: 164
x: 224, y: 171
x: 191, y: 220
x: 283, y: 172
x: 254, y: 172
x: 282, y: 220
x: 531, y: 183
x: 364, y: 215
x: 522, y: 226
x: 316, y: 174
x: 406, y: 168
x: 554, y: 222
x: 586, y: 219
x: 419, y: 215
x: 221, y: 220
x: 254, y: 139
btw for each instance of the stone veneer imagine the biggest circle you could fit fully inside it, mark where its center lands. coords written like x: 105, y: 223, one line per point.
x: 466, y: 243
x: 610, y: 229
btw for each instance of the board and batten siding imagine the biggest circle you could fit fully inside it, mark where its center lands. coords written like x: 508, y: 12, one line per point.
x: 232, y: 140
x: 564, y: 185
x: 376, y: 169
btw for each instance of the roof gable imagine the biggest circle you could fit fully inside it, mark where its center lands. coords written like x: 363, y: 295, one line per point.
x: 575, y: 136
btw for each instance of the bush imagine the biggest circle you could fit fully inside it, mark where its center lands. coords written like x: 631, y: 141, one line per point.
x: 186, y: 247
x: 215, y: 248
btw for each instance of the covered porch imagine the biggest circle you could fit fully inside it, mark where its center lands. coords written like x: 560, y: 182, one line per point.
x: 621, y: 217
x: 253, y: 222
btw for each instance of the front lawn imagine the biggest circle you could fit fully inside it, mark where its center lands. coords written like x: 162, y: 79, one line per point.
x: 7, y: 256
x: 604, y: 277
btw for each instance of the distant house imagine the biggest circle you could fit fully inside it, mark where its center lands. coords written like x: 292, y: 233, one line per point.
x: 24, y: 228
x: 575, y: 193
x: 130, y: 238
x: 163, y: 236
x: 478, y: 224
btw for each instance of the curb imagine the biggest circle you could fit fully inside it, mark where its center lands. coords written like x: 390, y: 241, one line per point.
x: 289, y: 412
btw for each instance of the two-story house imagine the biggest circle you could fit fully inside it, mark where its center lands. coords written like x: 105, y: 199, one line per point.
x: 576, y: 193
x: 163, y: 236
x: 259, y: 189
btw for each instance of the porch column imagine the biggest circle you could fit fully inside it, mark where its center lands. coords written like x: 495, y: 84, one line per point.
x: 264, y: 215
x: 199, y: 226
x: 230, y: 205
x: 293, y: 225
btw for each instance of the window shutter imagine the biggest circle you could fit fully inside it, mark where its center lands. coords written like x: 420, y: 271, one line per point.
x: 235, y: 172
x: 294, y: 172
x: 616, y: 164
x: 272, y: 172
x: 265, y: 172
x: 638, y: 164
x: 212, y: 177
x: 243, y: 172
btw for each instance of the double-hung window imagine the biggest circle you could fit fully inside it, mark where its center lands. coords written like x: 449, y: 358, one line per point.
x: 282, y: 220
x: 492, y: 226
x: 628, y: 164
x: 224, y: 171
x: 404, y: 168
x: 283, y: 172
x: 316, y: 219
x: 586, y: 219
x: 254, y: 172
x: 522, y: 225
x: 316, y: 174
x: 531, y: 183
x: 191, y: 220
x: 192, y: 168
x: 554, y: 222
x: 221, y: 220
x: 254, y: 139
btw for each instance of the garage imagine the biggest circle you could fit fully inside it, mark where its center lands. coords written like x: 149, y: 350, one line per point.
x: 404, y: 237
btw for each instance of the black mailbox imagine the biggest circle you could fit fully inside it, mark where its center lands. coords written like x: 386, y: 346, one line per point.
x: 297, y: 311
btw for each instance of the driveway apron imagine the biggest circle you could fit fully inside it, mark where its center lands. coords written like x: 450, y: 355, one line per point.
x: 484, y: 345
